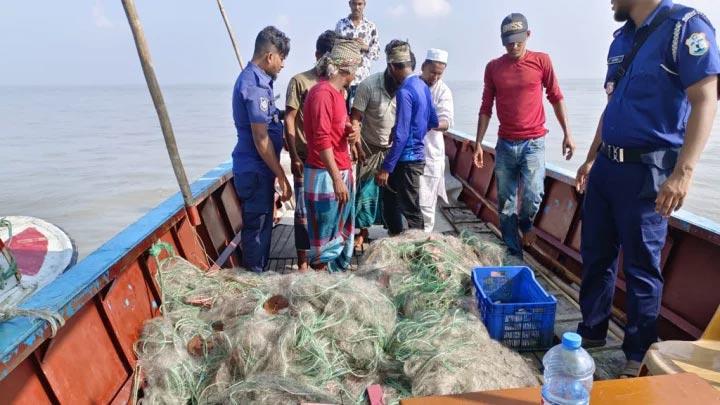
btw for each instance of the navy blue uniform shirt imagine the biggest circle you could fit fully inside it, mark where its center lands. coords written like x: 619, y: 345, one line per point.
x: 649, y: 108
x: 254, y: 103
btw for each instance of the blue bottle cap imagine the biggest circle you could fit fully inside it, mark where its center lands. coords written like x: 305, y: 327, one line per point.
x: 571, y: 341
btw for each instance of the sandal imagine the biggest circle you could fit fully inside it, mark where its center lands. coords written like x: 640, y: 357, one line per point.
x: 631, y: 370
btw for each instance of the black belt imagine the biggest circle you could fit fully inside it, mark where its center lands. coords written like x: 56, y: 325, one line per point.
x: 625, y: 155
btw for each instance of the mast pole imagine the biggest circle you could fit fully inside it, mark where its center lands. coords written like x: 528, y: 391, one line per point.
x: 161, y: 109
x: 230, y: 33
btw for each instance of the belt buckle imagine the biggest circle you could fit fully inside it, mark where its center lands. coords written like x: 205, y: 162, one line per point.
x: 617, y: 154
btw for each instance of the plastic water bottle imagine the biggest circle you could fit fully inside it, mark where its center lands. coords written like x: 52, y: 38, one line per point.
x: 568, y: 373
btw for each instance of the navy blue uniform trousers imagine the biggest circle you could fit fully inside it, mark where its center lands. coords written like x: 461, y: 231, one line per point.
x: 617, y: 212
x: 257, y: 196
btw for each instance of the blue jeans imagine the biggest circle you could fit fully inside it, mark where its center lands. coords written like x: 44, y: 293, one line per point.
x: 519, y: 164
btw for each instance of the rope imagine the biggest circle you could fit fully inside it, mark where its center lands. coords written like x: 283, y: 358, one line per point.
x: 155, y: 250
x: 12, y: 269
x: 51, y: 317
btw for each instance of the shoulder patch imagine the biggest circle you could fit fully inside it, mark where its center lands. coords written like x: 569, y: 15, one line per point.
x: 264, y: 104
x: 614, y: 60
x: 698, y: 44
x: 688, y: 14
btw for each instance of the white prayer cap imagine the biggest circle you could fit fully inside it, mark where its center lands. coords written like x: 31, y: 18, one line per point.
x: 437, y: 55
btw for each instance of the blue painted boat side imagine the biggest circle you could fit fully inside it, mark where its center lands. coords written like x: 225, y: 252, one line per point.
x: 88, y: 276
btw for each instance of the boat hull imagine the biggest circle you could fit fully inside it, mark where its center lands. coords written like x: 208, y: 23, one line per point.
x: 106, y: 298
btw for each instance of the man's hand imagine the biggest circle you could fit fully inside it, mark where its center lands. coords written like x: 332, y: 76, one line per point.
x: 341, y: 191
x: 568, y: 147
x: 478, y: 158
x: 672, y: 193
x: 361, y: 156
x: 363, y: 46
x: 285, y: 189
x: 581, y: 178
x: 353, y: 132
x: 297, y: 168
x: 358, y: 154
x: 382, y: 178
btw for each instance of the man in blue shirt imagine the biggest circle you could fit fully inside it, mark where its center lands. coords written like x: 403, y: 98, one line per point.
x: 640, y: 165
x: 256, y: 158
x: 405, y: 161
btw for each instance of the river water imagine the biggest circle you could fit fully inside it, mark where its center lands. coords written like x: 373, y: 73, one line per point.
x: 92, y: 159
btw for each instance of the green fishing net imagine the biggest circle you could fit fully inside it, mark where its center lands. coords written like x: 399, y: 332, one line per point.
x: 405, y: 319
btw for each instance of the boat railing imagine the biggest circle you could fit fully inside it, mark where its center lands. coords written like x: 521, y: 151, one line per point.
x: 683, y: 219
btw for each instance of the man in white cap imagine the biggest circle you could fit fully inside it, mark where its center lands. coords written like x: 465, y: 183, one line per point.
x: 432, y: 182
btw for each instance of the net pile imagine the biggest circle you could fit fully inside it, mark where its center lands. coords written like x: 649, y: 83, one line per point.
x: 428, y: 272
x: 402, y: 320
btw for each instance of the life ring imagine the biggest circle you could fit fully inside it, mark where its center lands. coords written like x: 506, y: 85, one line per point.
x: 33, y: 253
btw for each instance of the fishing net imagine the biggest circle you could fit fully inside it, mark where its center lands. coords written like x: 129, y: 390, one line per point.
x: 403, y: 320
x: 428, y: 272
x: 451, y: 352
x: 221, y: 332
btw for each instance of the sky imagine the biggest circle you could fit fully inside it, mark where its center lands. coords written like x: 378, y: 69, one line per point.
x: 88, y: 42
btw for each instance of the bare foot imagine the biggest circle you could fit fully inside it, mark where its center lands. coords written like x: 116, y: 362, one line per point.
x: 529, y: 238
x: 360, y: 238
x: 319, y: 267
x: 302, y: 261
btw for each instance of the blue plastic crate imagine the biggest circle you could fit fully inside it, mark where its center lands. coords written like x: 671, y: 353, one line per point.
x: 515, y: 309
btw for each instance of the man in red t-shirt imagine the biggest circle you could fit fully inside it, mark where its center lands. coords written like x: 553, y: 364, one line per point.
x: 328, y: 177
x: 515, y: 81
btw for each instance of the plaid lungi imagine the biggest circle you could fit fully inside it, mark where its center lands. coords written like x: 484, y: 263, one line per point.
x: 330, y: 225
x: 368, y: 210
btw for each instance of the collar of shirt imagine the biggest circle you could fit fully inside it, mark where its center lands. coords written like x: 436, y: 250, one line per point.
x: 511, y: 59
x: 263, y: 78
x: 630, y: 25
x: 407, y: 79
x: 348, y: 22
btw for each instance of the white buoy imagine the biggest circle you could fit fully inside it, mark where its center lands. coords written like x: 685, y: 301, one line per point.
x: 40, y: 250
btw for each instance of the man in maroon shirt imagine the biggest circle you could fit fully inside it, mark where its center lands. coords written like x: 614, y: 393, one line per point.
x: 515, y: 81
x: 328, y: 177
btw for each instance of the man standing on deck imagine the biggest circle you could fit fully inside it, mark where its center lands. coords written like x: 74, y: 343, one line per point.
x: 329, y: 182
x: 404, y: 164
x: 374, y: 106
x: 432, y: 182
x: 358, y: 28
x: 515, y: 81
x: 297, y: 92
x: 661, y: 106
x: 256, y: 158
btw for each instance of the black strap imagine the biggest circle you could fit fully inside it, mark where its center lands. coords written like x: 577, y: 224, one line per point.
x: 640, y: 38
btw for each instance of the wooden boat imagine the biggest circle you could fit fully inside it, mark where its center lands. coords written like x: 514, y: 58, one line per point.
x: 105, y: 298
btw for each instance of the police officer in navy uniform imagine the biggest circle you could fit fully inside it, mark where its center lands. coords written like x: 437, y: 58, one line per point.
x: 662, y: 100
x: 256, y: 158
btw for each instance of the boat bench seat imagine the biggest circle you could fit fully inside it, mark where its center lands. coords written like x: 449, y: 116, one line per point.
x: 701, y: 357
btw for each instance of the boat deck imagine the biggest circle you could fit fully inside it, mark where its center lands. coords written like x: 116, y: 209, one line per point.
x: 454, y: 219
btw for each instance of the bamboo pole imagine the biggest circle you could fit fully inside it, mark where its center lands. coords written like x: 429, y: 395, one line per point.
x: 161, y: 109
x: 230, y: 33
